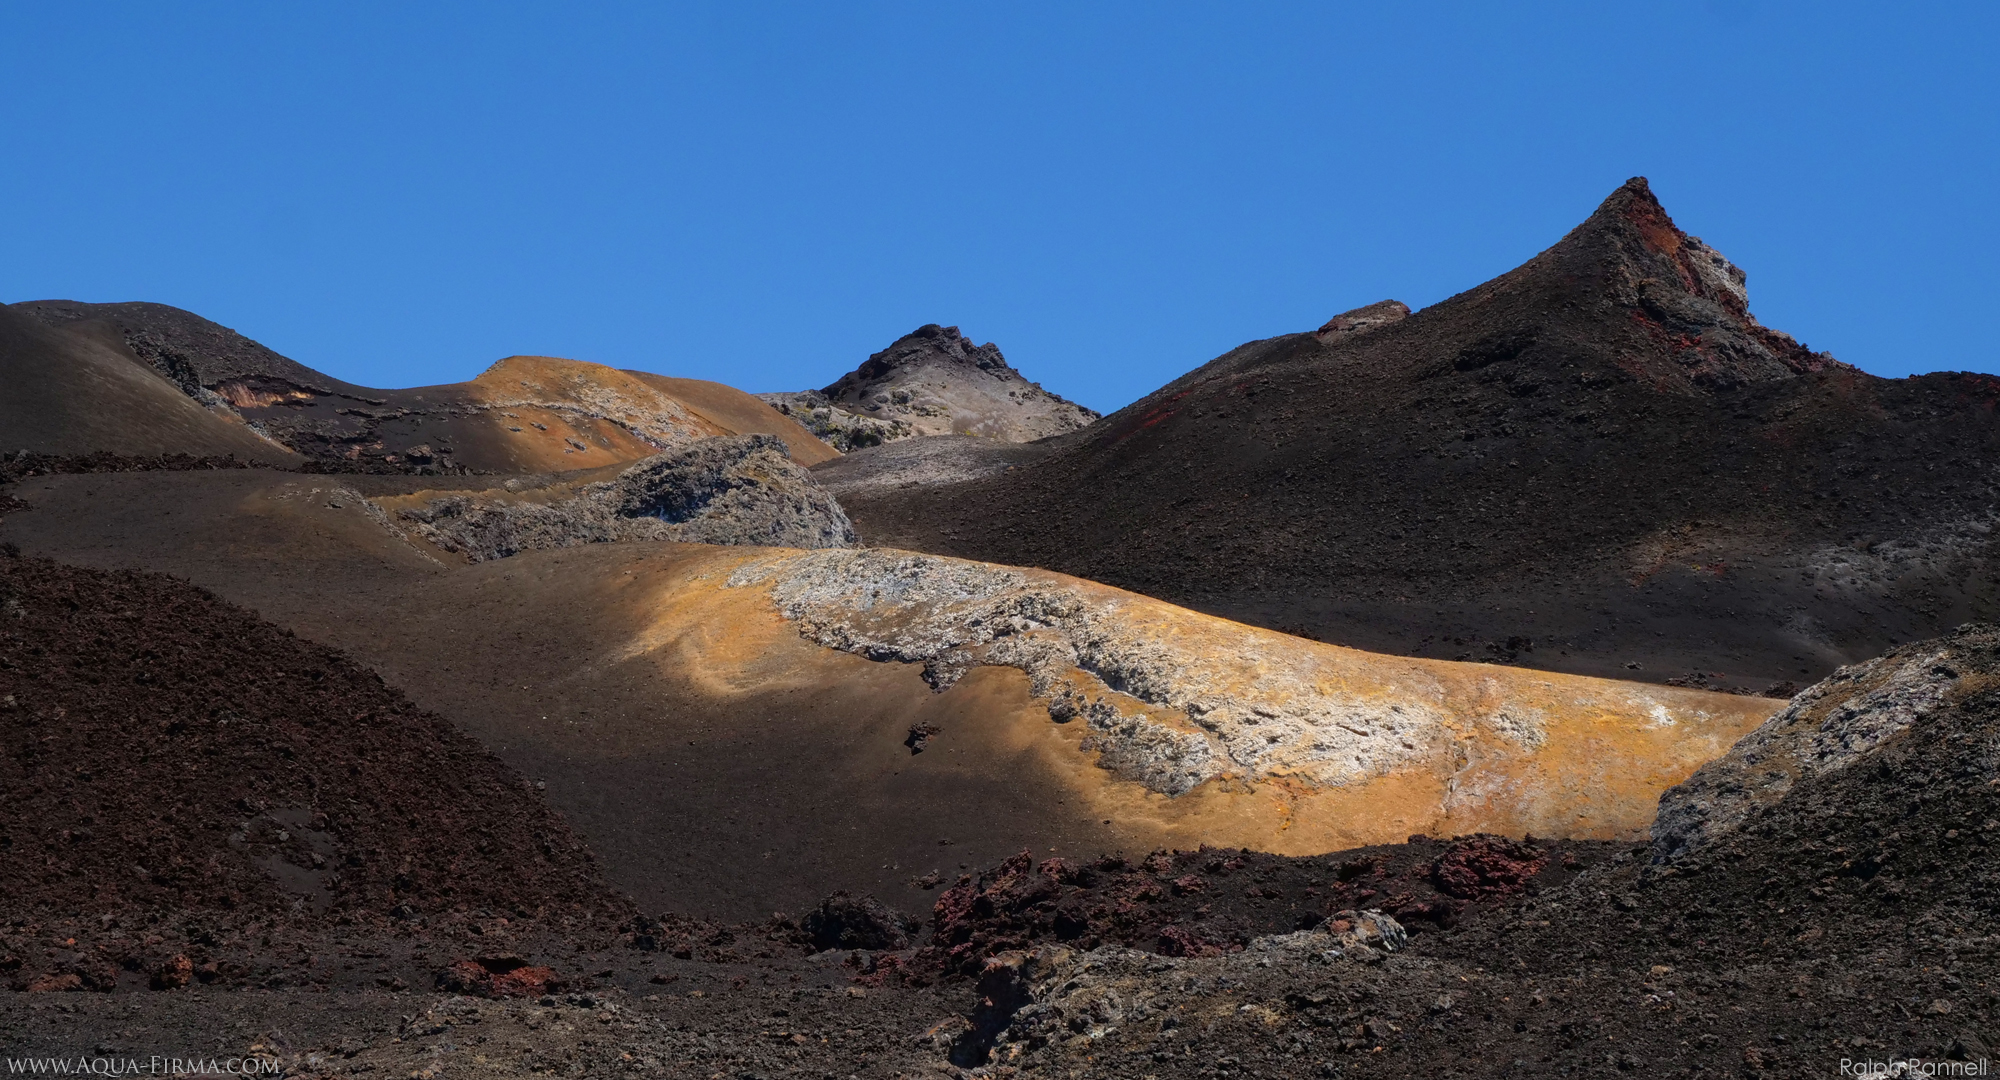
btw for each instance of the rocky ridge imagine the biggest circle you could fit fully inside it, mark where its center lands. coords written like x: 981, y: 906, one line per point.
x: 1836, y: 727
x: 740, y: 489
x: 523, y: 414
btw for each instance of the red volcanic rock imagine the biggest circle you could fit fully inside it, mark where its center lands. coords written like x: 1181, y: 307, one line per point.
x: 1487, y: 866
x: 499, y: 976
x: 174, y: 974
x: 1176, y: 941
x: 1211, y: 901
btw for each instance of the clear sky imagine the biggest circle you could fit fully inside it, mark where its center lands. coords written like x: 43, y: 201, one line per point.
x: 766, y: 193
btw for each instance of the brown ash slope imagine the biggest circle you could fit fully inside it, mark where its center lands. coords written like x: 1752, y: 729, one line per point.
x: 932, y: 381
x: 525, y: 414
x: 1598, y: 462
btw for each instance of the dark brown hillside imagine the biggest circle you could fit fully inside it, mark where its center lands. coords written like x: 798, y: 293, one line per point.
x: 165, y: 750
x: 1595, y: 461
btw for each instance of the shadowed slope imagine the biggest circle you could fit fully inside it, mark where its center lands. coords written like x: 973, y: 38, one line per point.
x: 150, y: 726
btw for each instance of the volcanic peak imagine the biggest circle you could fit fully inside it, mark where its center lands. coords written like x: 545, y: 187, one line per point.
x: 931, y: 381
x: 927, y: 343
x: 1687, y: 298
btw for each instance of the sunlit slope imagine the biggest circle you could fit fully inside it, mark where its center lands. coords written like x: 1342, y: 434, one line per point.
x: 538, y: 414
x: 1200, y: 729
x: 738, y: 413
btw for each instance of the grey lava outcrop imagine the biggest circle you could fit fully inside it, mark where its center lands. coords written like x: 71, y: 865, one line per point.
x: 1363, y: 319
x: 740, y: 489
x: 932, y: 381
x: 1173, y: 700
x: 1836, y: 726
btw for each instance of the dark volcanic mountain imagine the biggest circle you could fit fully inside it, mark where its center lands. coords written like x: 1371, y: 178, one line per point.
x: 1599, y: 462
x: 932, y: 381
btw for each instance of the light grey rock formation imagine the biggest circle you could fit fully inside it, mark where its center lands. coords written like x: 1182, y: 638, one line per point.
x: 1052, y: 995
x: 1161, y: 709
x: 837, y: 427
x: 738, y: 490
x: 937, y: 461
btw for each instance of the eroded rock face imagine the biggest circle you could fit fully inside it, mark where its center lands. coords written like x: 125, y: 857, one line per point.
x: 1831, y: 728
x: 949, y: 615
x: 837, y: 427
x: 740, y: 489
x: 932, y: 381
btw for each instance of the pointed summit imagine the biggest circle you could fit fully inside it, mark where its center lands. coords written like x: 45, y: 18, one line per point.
x: 929, y: 344
x: 1639, y: 231
x: 1626, y: 294
x: 1687, y: 300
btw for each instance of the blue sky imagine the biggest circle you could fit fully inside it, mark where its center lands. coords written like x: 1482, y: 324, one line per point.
x: 766, y: 193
